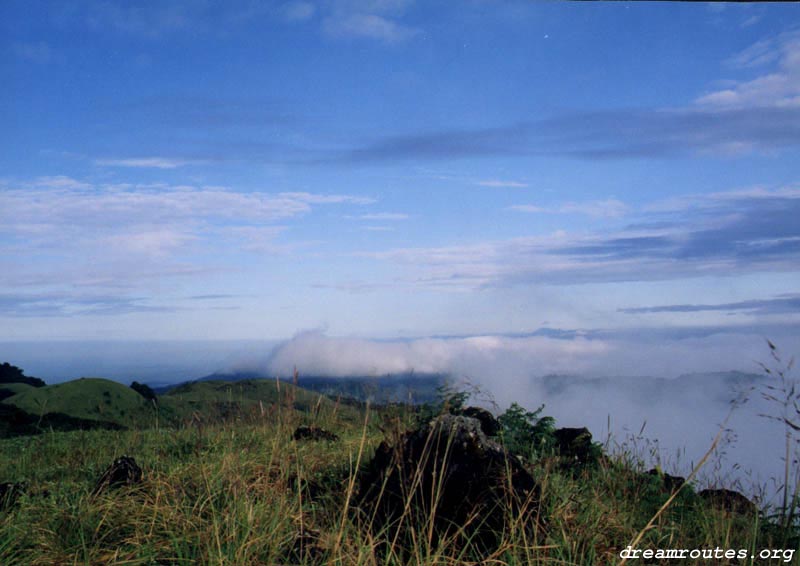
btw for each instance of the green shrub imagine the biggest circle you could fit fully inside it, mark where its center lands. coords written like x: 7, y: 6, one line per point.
x: 527, y: 433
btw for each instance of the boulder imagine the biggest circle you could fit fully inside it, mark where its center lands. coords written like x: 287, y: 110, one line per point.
x: 10, y: 492
x: 451, y: 462
x: 668, y: 482
x: 313, y: 433
x: 122, y: 472
x: 728, y: 500
x: 575, y: 445
x: 489, y: 424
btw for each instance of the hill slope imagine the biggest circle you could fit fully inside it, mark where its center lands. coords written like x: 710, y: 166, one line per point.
x: 218, y: 398
x: 11, y: 389
x: 91, y: 399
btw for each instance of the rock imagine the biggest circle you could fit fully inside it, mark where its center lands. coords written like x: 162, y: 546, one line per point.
x: 452, y: 462
x: 670, y: 483
x: 728, y: 500
x: 489, y: 424
x: 313, y: 433
x: 575, y: 445
x: 122, y: 472
x: 10, y: 492
x: 307, y: 548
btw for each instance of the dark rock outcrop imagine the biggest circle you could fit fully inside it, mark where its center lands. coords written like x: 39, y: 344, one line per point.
x: 728, y: 500
x: 313, y: 433
x: 10, y: 492
x: 575, y: 445
x: 668, y: 482
x: 122, y: 472
x: 489, y: 424
x: 450, y: 462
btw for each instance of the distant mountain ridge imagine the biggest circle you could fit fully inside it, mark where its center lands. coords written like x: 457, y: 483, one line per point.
x: 409, y: 387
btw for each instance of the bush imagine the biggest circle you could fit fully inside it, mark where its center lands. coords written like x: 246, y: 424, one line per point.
x: 145, y: 391
x: 13, y: 374
x: 526, y: 433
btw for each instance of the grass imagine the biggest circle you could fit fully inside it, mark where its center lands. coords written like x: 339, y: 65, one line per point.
x: 240, y: 491
x: 15, y: 388
x: 88, y: 398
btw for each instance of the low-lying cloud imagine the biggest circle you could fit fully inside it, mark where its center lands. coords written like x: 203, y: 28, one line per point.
x: 669, y: 387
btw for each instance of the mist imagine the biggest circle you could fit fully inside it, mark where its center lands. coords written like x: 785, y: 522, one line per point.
x: 663, y: 400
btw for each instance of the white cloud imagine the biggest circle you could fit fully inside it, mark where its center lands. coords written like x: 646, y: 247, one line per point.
x: 717, y: 199
x: 146, y: 162
x: 60, y: 182
x: 609, y: 208
x: 760, y: 53
x: 317, y: 198
x: 385, y: 216
x: 682, y: 416
x: 778, y: 88
x: 367, y: 26
x: 314, y: 353
x: 118, y: 233
x: 527, y: 208
x: 500, y: 183
x: 149, y: 242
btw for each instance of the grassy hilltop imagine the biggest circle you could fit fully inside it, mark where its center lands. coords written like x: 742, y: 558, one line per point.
x: 86, y: 398
x: 225, y: 482
x: 89, y: 403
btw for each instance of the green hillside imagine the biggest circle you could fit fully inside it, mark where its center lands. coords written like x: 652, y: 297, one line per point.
x: 92, y: 399
x: 221, y: 398
x: 14, y: 388
x: 100, y: 403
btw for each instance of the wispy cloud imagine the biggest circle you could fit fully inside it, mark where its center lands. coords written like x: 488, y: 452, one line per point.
x: 443, y: 144
x: 610, y: 208
x: 317, y: 198
x: 757, y: 115
x: 370, y: 19
x: 147, y: 162
x: 784, y: 304
x: 299, y: 11
x: 601, y: 135
x: 385, y: 216
x: 497, y: 183
x: 778, y: 87
x: 108, y: 235
x: 369, y: 26
x: 725, y: 233
x: 65, y: 305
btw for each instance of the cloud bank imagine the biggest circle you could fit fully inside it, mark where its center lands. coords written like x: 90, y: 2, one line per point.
x: 591, y: 382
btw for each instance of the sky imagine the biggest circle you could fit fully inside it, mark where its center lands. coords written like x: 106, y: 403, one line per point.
x: 600, y: 188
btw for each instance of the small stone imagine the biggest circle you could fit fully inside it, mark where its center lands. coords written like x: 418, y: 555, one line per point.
x: 728, y: 500
x: 122, y: 472
x: 313, y: 433
x: 10, y: 492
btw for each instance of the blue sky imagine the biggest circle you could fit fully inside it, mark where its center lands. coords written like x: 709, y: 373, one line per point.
x: 577, y: 177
